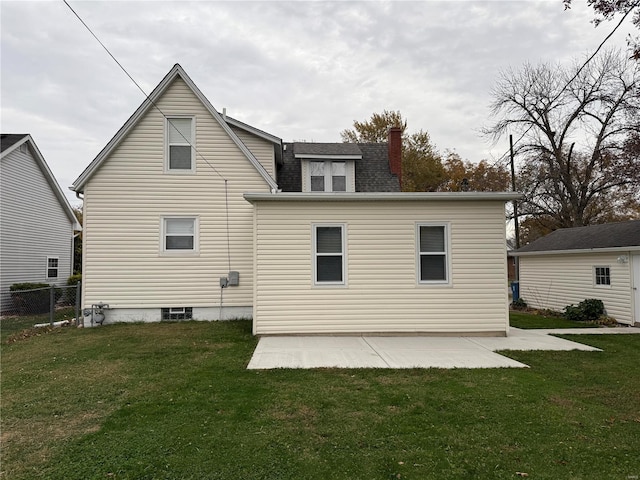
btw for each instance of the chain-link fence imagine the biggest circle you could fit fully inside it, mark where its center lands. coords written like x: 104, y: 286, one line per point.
x: 32, y: 306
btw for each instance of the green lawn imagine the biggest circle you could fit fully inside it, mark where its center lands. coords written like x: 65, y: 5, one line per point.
x: 174, y: 401
x: 530, y: 320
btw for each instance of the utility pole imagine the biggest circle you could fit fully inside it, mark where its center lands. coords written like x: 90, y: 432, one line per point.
x: 515, y: 206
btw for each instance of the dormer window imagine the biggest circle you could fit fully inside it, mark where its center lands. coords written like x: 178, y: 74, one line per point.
x: 327, y: 167
x: 328, y: 176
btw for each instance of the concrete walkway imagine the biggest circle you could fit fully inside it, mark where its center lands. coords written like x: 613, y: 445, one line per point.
x: 412, y: 351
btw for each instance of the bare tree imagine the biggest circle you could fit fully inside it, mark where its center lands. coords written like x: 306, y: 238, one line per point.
x: 576, y: 127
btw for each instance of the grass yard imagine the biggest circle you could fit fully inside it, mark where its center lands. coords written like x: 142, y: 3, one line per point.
x: 174, y: 401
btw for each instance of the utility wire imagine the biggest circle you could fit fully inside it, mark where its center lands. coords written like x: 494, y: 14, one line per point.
x: 142, y: 90
x: 505, y: 155
x: 226, y: 194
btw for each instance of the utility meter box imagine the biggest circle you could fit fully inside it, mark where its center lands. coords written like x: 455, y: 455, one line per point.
x: 234, y: 279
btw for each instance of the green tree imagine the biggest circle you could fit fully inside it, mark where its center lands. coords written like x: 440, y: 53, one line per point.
x: 376, y: 129
x: 421, y: 163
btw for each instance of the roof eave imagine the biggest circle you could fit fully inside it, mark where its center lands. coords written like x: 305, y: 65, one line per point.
x: 176, y: 71
x: 380, y: 196
x: 51, y: 179
x: 628, y: 248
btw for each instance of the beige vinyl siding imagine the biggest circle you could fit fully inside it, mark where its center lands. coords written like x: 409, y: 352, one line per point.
x: 382, y: 293
x: 262, y: 149
x: 129, y: 194
x: 33, y: 226
x: 557, y: 280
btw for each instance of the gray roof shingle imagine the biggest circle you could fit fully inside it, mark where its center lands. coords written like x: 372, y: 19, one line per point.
x: 606, y: 235
x: 9, y: 139
x: 372, y: 171
x: 304, y: 148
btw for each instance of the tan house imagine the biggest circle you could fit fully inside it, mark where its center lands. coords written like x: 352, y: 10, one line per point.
x: 572, y: 264
x: 190, y: 214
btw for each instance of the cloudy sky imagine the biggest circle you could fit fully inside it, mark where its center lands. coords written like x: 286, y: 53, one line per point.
x: 299, y: 70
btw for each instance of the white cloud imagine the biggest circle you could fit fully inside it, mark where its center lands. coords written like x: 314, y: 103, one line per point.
x: 300, y: 70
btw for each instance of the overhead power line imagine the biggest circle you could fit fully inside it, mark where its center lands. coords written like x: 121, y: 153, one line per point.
x: 506, y: 155
x: 142, y: 90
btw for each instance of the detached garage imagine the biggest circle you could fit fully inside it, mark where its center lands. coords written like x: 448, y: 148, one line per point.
x: 573, y: 264
x: 353, y: 263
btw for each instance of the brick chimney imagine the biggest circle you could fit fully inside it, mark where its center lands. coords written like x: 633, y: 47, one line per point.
x: 395, y: 152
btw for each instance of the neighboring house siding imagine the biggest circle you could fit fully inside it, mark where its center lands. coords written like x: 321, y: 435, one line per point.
x: 33, y: 226
x: 381, y: 292
x: 261, y: 149
x: 127, y: 196
x: 557, y: 280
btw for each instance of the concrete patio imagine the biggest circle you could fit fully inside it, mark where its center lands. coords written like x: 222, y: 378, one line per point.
x: 412, y: 351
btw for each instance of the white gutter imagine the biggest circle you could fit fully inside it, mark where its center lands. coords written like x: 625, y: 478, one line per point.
x: 381, y: 196
x: 631, y: 248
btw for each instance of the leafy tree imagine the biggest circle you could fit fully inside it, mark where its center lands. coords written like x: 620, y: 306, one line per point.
x: 481, y: 177
x: 578, y: 130
x: 376, y: 129
x: 422, y: 164
x: 608, y: 9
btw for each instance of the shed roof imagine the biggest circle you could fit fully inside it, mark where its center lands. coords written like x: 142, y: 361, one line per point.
x: 606, y: 235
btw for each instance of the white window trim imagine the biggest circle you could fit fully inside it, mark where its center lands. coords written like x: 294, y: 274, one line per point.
x: 196, y: 235
x: 46, y: 272
x: 447, y: 238
x: 314, y: 256
x: 180, y: 171
x: 595, y: 282
x: 349, y: 174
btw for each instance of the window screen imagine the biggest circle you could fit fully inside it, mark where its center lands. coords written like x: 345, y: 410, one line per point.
x: 432, y: 248
x: 329, y: 254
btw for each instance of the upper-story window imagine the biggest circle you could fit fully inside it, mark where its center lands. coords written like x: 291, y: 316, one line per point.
x: 328, y: 176
x: 179, y: 145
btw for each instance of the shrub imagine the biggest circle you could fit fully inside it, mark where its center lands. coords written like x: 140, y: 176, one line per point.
x: 74, y: 279
x: 32, y: 298
x: 587, y: 310
x: 592, y: 308
x: 519, y: 304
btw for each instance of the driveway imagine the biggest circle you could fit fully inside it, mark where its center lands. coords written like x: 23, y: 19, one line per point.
x: 411, y: 351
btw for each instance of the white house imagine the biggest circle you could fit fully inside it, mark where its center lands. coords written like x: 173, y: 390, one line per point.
x: 190, y: 214
x: 36, y: 221
x: 572, y: 264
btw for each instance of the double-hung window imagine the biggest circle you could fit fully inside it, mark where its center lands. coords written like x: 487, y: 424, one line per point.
x: 433, y: 253
x: 52, y: 267
x: 179, y: 148
x: 328, y: 176
x: 329, y: 257
x: 180, y: 234
x: 602, y: 276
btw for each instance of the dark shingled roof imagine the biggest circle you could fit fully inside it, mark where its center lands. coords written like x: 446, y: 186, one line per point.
x: 9, y: 139
x: 606, y: 235
x: 304, y: 148
x: 372, y: 171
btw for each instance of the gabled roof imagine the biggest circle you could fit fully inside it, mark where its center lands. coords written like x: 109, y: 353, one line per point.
x: 372, y: 165
x: 8, y: 140
x: 149, y: 102
x: 11, y: 142
x: 607, y: 236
